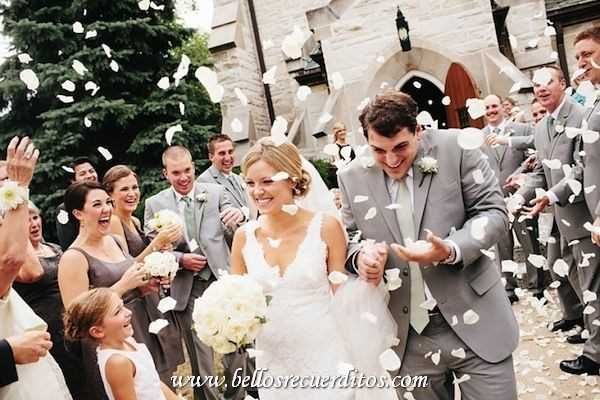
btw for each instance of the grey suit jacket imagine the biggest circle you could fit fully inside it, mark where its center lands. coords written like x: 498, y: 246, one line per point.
x: 211, y: 233
x: 238, y: 199
x: 560, y: 147
x: 591, y: 160
x: 447, y: 203
x: 505, y: 160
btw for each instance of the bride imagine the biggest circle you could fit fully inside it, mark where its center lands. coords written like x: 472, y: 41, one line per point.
x: 291, y: 251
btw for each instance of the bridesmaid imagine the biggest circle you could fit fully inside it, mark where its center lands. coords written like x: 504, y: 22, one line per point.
x: 37, y: 284
x: 97, y: 259
x: 122, y: 186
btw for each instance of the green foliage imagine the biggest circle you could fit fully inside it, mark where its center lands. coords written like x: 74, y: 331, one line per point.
x: 129, y: 113
x: 327, y: 171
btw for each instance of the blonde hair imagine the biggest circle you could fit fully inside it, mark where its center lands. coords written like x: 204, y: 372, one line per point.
x: 85, y: 311
x: 3, y: 163
x: 337, y: 127
x: 284, y: 158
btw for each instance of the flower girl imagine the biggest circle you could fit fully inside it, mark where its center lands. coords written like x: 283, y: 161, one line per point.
x: 126, y: 367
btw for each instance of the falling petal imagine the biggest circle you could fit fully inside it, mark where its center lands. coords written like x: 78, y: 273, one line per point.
x: 371, y: 213
x: 166, y: 304
x: 280, y: 176
x: 588, y: 310
x: 509, y: 266
x: 182, y: 69
x: 107, y: 50
x: 424, y: 118
x: 363, y: 104
x: 337, y: 277
x: 157, y: 326
x: 464, y: 378
x: 171, y: 131
x: 478, y: 177
x: 193, y: 245
x: 476, y: 108
x: 303, y: 93
x: 62, y: 217
x: 79, y: 67
x: 325, y: 118
x: 241, y: 96
x: 105, y: 153
x: 389, y: 360
x: 446, y: 100
x: 470, y: 317
x: 542, y: 76
x: 279, y: 127
x: 552, y: 164
x: 537, y: 260
x: 268, y: 44
x: 91, y: 34
x: 114, y: 66
x: 589, y: 296
x: 533, y: 43
x: 236, y: 125
x: 24, y: 58
x: 392, y: 274
x: 68, y: 169
x: 515, y: 87
x: 291, y: 47
x: 337, y: 80
x: 393, y: 206
x: 87, y: 122
x: 65, y: 99
x: 155, y: 6
x: 181, y: 108
x: 360, y: 198
x: 269, y: 77
x: 368, y: 317
x: 274, y: 243
x: 435, y: 357
x: 489, y: 254
x: 164, y: 83
x: 144, y: 5
x: 331, y: 149
x: 216, y: 93
x: 471, y: 138
x: 78, y: 27
x: 561, y: 268
x: 592, y: 228
x: 291, y: 209
x: 68, y: 86
x: 478, y: 228
x: 458, y: 353
x: 30, y: 79
x: 549, y: 31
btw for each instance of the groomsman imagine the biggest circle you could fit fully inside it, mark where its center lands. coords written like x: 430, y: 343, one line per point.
x: 570, y: 209
x: 221, y: 153
x: 587, y: 51
x: 451, y: 297
x: 83, y: 170
x: 207, y: 215
x: 505, y: 159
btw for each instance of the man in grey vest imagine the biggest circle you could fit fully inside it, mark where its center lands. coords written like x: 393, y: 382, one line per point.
x: 556, y: 149
x: 451, y: 295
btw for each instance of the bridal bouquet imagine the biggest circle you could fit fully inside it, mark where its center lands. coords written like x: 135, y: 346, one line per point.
x: 161, y: 265
x: 230, y: 313
x: 164, y: 218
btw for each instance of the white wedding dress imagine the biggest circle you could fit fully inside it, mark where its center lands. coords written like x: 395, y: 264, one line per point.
x: 303, y: 335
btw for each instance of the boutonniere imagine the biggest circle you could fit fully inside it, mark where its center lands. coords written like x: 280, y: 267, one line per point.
x: 201, y: 197
x: 428, y: 166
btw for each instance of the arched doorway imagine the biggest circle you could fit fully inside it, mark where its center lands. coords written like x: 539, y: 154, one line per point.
x: 428, y: 96
x: 459, y: 87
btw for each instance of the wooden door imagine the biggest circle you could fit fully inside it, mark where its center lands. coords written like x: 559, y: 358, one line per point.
x: 460, y: 87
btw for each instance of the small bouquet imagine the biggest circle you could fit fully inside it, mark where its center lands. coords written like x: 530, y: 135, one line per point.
x: 164, y: 218
x: 161, y: 265
x: 230, y: 313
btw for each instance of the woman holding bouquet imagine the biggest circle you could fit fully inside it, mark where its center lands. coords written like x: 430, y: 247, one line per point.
x: 298, y: 257
x: 97, y: 259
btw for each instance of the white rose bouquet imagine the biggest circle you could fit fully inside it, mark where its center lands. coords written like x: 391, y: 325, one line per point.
x: 230, y: 313
x: 163, y: 219
x: 161, y: 265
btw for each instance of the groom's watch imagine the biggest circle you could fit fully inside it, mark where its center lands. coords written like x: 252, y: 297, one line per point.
x: 452, y: 257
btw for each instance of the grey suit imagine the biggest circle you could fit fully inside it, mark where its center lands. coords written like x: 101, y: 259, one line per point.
x: 235, y: 192
x: 444, y: 201
x: 571, y: 212
x: 208, y: 200
x: 591, y: 160
x: 505, y: 160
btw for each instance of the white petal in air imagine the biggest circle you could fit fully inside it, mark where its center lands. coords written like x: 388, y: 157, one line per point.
x: 303, y: 93
x: 435, y: 357
x: 274, y: 243
x: 279, y: 127
x: 470, y: 317
x: 65, y: 99
x: 268, y: 44
x: 515, y: 87
x: 549, y: 31
x: 155, y: 6
x: 552, y: 164
x: 537, y: 260
x: 389, y: 360
x: 157, y: 326
x: 144, y: 5
x: 91, y: 34
x: 331, y: 149
x: 68, y: 86
x: 471, y: 138
x: 478, y: 177
x: 30, y: 79
x: 476, y: 108
x: 325, y: 118
x: 588, y: 310
x: 269, y: 77
x: 171, y: 131
x: 105, y: 153
x: 446, y: 100
x: 363, y: 104
x: 62, y: 217
x: 478, y: 228
x: 24, y: 58
x: 114, y: 66
x: 164, y: 83
x: 107, y: 50
x: 280, y: 176
x: 424, y: 118
x: 89, y: 85
x: 337, y: 277
x: 589, y: 296
x: 509, y: 266
x: 236, y: 125
x: 181, y: 108
x: 291, y: 47
x: 371, y: 213
x: 291, y: 209
x: 360, y: 198
x: 337, y: 80
x: 542, y: 76
x: 489, y: 254
x: 561, y: 268
x: 87, y: 122
x: 166, y: 304
x: 78, y: 28
x: 458, y: 353
x: 241, y: 96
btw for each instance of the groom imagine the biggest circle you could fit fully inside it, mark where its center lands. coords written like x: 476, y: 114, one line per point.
x: 452, y: 313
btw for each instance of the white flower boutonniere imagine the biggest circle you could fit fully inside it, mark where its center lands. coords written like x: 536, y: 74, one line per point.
x: 428, y: 166
x: 201, y: 197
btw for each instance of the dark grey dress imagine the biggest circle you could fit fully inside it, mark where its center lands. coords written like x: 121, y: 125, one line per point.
x: 165, y: 347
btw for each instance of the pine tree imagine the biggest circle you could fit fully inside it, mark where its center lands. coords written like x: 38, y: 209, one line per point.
x: 127, y: 114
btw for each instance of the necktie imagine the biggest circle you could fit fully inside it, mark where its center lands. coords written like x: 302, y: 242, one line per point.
x: 236, y: 187
x: 550, y: 129
x: 496, y: 131
x: 189, y: 218
x: 419, y: 318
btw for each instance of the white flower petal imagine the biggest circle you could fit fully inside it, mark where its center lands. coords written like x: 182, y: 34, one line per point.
x: 269, y: 77
x: 592, y: 228
x: 470, y: 317
x: 337, y: 277
x: 509, y: 266
x: 489, y: 254
x: 241, y: 96
x: 561, y: 268
x: 157, y: 326
x: 78, y: 27
x: 552, y: 164
x: 87, y: 122
x: 236, y: 125
x: 464, y: 378
x: 588, y: 310
x: 478, y: 228
x: 291, y: 47
x: 280, y: 176
x: 171, y: 131
x: 279, y: 129
x: 107, y: 50
x: 471, y: 138
x: 537, y: 260
x: 24, y: 58
x: 69, y: 86
x: 435, y: 357
x: 63, y: 217
x: 303, y: 93
x: 446, y: 100
x: 478, y: 177
x: 589, y: 296
x: 166, y: 304
x: 476, y: 108
x: 79, y: 67
x: 458, y: 353
x: 291, y: 209
x: 542, y: 76
x: 549, y: 31
x: 105, y: 153
x: 164, y: 83
x: 274, y: 243
x: 30, y: 79
x: 144, y: 5
x: 337, y: 80
x: 325, y: 118
x: 389, y: 360
x: 360, y: 198
x: 371, y: 213
x: 155, y: 6
x: 65, y: 99
x: 424, y: 118
x: 417, y: 84
x: 331, y: 149
x: 181, y: 108
x: 91, y: 34
x: 114, y: 66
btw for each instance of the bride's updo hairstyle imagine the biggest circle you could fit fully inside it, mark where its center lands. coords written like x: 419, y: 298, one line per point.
x: 283, y: 158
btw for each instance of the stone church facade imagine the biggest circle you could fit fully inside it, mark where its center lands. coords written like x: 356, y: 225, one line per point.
x: 458, y: 48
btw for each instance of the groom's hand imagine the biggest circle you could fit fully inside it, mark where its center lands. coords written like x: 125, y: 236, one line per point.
x: 371, y: 262
x: 193, y: 262
x: 437, y: 251
x: 232, y: 217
